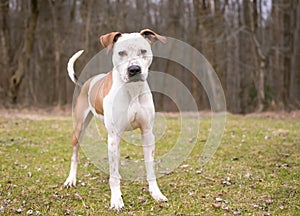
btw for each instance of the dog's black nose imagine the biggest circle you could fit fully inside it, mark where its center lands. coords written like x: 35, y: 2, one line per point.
x: 134, y: 70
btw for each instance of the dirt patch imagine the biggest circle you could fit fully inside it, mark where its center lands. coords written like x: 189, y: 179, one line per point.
x: 36, y: 113
x: 57, y: 112
x: 277, y: 114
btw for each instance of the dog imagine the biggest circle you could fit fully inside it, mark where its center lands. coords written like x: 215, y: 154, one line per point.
x: 123, y: 100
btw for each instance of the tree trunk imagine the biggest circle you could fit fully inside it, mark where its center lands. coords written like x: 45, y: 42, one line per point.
x: 277, y: 54
x: 288, y: 38
x: 23, y: 63
x: 5, y: 48
x: 196, y: 44
x: 295, y: 63
x: 259, y: 58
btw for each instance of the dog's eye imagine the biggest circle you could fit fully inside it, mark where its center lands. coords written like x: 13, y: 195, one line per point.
x: 122, y: 53
x: 143, y: 51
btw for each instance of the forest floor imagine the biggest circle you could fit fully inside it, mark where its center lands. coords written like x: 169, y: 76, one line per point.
x: 255, y: 170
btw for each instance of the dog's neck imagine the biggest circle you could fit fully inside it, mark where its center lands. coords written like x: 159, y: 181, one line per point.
x: 136, y: 89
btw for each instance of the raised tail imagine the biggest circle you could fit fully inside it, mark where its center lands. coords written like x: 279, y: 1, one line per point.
x: 70, y: 67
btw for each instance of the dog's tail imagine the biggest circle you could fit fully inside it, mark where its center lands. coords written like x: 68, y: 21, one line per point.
x: 70, y: 67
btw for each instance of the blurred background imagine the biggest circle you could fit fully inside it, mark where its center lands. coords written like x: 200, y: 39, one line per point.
x: 253, y: 45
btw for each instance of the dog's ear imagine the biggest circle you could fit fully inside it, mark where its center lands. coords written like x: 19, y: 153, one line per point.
x: 108, y: 40
x: 151, y: 36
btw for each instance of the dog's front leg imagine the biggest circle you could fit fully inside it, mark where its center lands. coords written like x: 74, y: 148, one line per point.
x: 148, y: 141
x: 116, y: 202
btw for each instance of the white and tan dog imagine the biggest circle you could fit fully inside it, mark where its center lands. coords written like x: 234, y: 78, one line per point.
x: 123, y: 100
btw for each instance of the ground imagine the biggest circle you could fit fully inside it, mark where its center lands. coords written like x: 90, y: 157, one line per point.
x: 255, y: 171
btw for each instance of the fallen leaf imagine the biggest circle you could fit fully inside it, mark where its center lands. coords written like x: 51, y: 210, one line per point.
x: 216, y: 205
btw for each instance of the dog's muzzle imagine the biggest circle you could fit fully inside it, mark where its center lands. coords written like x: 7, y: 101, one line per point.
x: 134, y: 73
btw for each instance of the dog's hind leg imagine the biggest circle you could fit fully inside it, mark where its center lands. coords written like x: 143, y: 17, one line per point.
x: 82, y: 117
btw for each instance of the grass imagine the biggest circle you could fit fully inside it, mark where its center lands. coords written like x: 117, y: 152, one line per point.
x: 255, y: 171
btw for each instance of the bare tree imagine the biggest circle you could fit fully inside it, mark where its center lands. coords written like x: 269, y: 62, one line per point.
x: 252, y: 45
x: 23, y: 63
x: 295, y: 56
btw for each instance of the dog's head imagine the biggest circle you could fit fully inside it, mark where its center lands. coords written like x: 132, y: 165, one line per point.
x: 132, y: 54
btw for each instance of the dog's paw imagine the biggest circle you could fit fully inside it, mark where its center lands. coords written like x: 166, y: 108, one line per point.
x: 157, y: 195
x: 70, y: 182
x: 116, y: 203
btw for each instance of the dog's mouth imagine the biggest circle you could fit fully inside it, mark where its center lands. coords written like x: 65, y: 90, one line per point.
x: 136, y: 78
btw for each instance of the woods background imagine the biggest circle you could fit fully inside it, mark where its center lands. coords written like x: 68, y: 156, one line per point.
x: 254, y: 46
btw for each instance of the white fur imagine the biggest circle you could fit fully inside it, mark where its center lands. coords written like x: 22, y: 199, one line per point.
x: 132, y: 45
x: 70, y: 67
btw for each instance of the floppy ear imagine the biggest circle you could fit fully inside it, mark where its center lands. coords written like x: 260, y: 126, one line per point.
x: 151, y: 36
x: 108, y: 40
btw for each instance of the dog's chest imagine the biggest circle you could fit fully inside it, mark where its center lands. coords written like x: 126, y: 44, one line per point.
x: 135, y: 112
x: 129, y: 108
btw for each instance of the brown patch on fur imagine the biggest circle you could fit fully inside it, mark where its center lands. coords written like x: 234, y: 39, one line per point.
x: 99, y: 91
x: 81, y: 106
x: 74, y: 139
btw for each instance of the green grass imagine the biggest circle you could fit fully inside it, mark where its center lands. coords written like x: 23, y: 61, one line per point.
x: 255, y: 171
